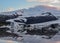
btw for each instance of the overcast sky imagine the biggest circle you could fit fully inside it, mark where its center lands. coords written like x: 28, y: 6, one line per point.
x: 9, y: 5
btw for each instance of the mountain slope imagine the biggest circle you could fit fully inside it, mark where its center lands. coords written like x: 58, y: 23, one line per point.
x: 37, y: 10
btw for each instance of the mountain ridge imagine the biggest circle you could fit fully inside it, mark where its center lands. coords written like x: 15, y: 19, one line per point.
x: 37, y: 10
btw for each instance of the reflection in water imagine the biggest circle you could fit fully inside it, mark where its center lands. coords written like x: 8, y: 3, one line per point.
x: 7, y: 41
x: 58, y: 42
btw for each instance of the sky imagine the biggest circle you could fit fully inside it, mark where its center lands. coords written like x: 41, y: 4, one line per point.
x: 10, y: 5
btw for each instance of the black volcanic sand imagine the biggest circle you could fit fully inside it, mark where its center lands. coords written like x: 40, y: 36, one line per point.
x: 40, y: 32
x: 49, y: 33
x: 3, y: 33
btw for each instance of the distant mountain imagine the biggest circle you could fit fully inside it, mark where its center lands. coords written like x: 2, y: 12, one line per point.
x: 37, y: 10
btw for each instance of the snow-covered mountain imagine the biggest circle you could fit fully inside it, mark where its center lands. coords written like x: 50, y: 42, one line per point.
x: 37, y: 10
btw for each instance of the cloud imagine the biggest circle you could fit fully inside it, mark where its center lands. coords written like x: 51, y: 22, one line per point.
x: 56, y: 1
x: 47, y: 2
x: 9, y: 9
x: 40, y: 0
